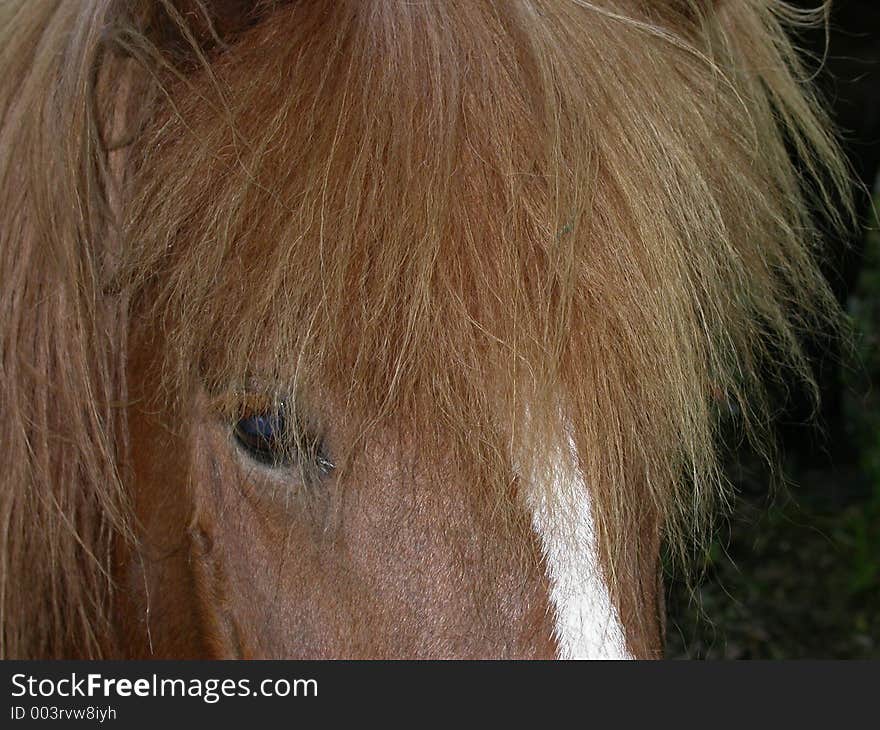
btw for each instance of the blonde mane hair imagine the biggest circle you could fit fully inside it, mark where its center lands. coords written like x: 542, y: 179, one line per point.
x: 490, y: 224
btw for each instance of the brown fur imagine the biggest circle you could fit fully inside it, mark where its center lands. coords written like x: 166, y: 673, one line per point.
x: 452, y: 227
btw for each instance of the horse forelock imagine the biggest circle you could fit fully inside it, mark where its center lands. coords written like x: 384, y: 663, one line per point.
x: 545, y: 234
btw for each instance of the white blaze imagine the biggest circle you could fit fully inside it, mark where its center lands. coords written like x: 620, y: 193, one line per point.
x: 587, y: 624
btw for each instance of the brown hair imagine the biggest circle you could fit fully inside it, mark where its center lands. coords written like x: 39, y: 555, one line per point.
x: 496, y: 220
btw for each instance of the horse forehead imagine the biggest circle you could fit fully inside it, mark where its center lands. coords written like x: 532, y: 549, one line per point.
x: 587, y: 623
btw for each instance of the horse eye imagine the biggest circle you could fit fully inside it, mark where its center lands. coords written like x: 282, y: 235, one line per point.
x: 267, y: 438
x: 261, y: 436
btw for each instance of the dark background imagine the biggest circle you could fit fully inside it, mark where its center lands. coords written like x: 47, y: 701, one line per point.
x: 794, y: 571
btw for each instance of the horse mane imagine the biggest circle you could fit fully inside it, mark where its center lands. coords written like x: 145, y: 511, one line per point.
x: 497, y: 224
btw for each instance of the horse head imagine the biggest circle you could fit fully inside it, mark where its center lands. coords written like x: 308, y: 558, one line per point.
x: 383, y: 329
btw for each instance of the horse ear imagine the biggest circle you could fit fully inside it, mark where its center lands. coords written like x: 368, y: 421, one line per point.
x: 61, y: 343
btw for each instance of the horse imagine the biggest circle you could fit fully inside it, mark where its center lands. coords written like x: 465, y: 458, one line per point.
x: 380, y: 329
